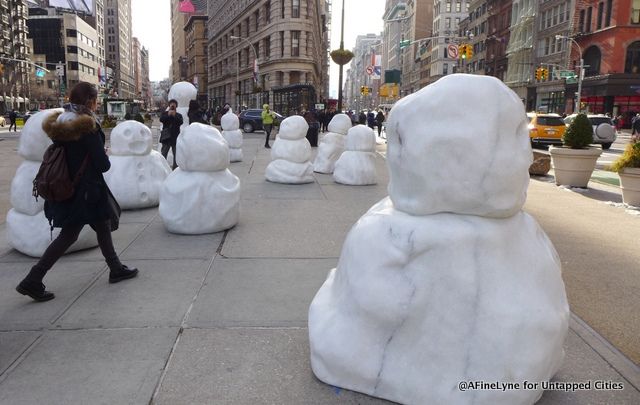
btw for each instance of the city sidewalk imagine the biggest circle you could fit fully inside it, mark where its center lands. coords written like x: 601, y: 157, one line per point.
x: 222, y: 318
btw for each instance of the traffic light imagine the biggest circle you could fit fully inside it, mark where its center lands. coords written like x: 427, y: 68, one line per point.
x: 538, y: 73
x: 469, y: 51
x: 462, y: 51
x: 361, y: 89
x: 544, y: 73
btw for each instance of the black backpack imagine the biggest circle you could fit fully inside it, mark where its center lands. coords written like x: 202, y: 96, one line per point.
x: 53, y: 182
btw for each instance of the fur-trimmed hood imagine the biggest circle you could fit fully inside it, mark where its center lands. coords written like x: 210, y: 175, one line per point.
x: 68, y: 126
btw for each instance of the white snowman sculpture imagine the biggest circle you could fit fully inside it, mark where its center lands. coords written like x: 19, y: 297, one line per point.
x: 137, y: 171
x: 28, y: 230
x: 232, y: 134
x: 291, y: 153
x: 201, y: 195
x: 447, y: 280
x: 357, y: 164
x: 332, y: 144
x: 183, y: 93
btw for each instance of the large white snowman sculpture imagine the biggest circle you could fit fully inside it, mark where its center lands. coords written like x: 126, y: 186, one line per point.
x: 137, y: 171
x: 201, y: 195
x: 357, y: 164
x: 28, y: 230
x: 447, y: 280
x: 332, y: 144
x: 291, y: 153
x: 232, y: 134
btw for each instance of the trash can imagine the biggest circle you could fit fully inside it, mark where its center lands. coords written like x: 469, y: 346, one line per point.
x: 312, y: 133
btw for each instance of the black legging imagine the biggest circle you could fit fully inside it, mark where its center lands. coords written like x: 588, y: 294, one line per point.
x: 165, y: 152
x: 68, y: 235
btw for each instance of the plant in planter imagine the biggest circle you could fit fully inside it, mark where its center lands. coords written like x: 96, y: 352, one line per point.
x: 628, y: 168
x: 574, y: 162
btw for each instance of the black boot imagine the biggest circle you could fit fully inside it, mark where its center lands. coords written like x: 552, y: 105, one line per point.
x: 122, y: 273
x: 35, y: 290
x: 266, y: 145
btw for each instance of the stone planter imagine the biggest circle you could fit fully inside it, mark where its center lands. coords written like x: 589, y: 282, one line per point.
x: 541, y: 164
x: 573, y: 167
x: 630, y: 185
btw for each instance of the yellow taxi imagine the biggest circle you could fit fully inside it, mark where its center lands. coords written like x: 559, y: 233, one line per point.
x: 546, y: 129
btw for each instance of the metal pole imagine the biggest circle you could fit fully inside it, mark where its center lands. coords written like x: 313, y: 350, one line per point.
x: 340, y: 71
x: 580, y: 77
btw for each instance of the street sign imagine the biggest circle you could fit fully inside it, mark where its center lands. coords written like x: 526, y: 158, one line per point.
x: 567, y: 73
x: 60, y: 70
x: 40, y: 72
x: 452, y: 51
x: 319, y: 106
x: 369, y: 70
x: 405, y: 43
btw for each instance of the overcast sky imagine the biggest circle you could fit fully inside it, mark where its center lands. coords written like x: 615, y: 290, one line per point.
x: 153, y: 29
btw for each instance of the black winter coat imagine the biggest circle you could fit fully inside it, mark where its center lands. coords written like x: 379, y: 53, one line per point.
x: 89, y: 204
x: 173, y: 123
x: 196, y: 116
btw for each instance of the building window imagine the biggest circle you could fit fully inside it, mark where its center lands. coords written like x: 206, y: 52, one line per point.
x: 632, y: 62
x: 635, y: 12
x: 295, y: 43
x: 588, y: 23
x: 448, y: 7
x: 592, y: 58
x: 445, y: 69
x: 458, y: 6
x: 295, y: 8
x: 582, y: 14
x: 608, y: 18
x: 600, y: 12
x: 72, y: 33
x: 267, y: 47
x: 282, y: 7
x: 267, y: 12
x: 282, y: 44
x: 447, y: 22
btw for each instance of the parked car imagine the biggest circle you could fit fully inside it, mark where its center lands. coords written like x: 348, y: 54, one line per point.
x: 251, y: 120
x: 546, y: 129
x: 604, y: 132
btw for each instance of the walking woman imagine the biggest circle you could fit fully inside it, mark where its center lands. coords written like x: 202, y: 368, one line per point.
x: 92, y: 204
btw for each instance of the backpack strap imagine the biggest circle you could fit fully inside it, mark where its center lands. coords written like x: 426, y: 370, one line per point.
x: 80, y: 172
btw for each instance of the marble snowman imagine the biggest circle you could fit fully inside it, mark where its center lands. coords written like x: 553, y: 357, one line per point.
x: 28, y: 230
x: 137, y: 171
x: 357, y: 164
x: 291, y: 154
x: 183, y: 93
x: 332, y: 144
x: 447, y: 279
x: 201, y: 195
x: 233, y: 135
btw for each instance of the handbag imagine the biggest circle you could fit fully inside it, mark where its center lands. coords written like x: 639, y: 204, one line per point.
x: 165, y: 135
x: 114, y: 210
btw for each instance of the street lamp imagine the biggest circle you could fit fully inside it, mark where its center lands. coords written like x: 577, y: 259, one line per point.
x: 580, y: 74
x: 255, y: 63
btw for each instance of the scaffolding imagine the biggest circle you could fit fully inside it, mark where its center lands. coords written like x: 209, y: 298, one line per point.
x: 520, y: 48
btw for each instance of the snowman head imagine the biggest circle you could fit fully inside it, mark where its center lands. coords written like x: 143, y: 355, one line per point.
x: 201, y: 148
x: 183, y: 92
x: 294, y: 127
x: 229, y: 121
x: 340, y: 124
x: 33, y: 140
x: 131, y: 138
x: 361, y: 138
x: 459, y: 145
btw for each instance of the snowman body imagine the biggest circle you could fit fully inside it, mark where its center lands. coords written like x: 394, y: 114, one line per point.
x: 447, y: 279
x: 332, y: 144
x: 202, y: 195
x: 232, y: 134
x: 28, y: 229
x: 291, y: 154
x: 357, y: 164
x: 137, y: 171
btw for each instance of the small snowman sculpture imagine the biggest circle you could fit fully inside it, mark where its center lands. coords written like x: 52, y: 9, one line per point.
x: 291, y: 154
x: 137, y: 172
x: 201, y: 195
x: 28, y: 230
x: 447, y: 279
x: 232, y: 134
x: 357, y: 164
x: 332, y: 144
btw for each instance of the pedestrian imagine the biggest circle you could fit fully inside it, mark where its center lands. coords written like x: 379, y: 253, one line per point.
x: 379, y: 121
x: 635, y: 129
x: 362, y: 118
x: 268, y: 117
x: 195, y: 114
x: 172, y: 120
x: 371, y: 120
x: 77, y: 130
x: 322, y: 115
x: 314, y: 126
x: 13, y: 116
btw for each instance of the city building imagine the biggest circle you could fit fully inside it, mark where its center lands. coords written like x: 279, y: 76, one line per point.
x: 447, y: 16
x: 14, y: 82
x: 498, y: 24
x: 477, y: 26
x: 553, y: 20
x: 357, y: 76
x: 180, y: 14
x: 136, y: 65
x: 146, y: 83
x: 68, y: 46
x: 396, y: 23
x: 520, y: 51
x: 418, y: 28
x: 607, y: 37
x: 196, y: 55
x: 118, y: 40
x: 261, y: 51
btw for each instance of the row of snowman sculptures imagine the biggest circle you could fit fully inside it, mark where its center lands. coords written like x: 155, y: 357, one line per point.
x: 201, y: 195
x: 446, y: 281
